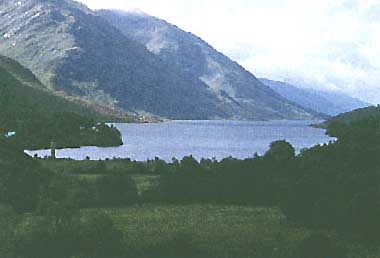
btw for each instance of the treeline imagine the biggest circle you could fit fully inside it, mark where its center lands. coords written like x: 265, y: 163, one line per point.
x: 67, y: 130
x: 337, y: 185
x: 333, y: 186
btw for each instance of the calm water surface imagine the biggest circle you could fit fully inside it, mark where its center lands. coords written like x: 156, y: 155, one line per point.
x: 202, y: 139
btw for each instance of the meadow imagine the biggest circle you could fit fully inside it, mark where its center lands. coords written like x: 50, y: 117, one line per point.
x: 206, y: 230
x: 153, y: 228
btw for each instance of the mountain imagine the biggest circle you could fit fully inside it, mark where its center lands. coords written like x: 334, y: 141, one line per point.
x: 72, y: 50
x: 17, y: 78
x: 39, y: 117
x: 327, y: 102
x: 93, y: 110
x: 22, y: 94
x: 77, y: 53
x: 20, y: 73
x: 240, y: 94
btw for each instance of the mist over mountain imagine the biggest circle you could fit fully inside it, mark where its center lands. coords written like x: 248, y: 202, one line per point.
x: 241, y: 93
x: 327, y: 102
x: 138, y: 64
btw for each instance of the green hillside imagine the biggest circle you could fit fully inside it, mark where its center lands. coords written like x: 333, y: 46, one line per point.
x: 354, y: 116
x: 20, y: 73
x: 39, y: 117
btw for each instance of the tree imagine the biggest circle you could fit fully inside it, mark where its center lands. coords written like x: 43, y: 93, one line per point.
x: 280, y: 151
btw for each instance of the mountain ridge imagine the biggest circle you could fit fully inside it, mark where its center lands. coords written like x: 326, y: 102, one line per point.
x: 224, y: 77
x: 73, y: 50
x: 331, y: 103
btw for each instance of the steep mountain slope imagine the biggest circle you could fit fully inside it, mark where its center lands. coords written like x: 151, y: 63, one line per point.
x: 80, y: 106
x: 38, y: 116
x: 331, y: 103
x: 72, y: 50
x: 76, y: 52
x: 242, y: 95
x: 20, y: 75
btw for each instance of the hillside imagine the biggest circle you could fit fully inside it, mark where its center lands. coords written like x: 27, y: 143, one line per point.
x: 39, y: 117
x: 331, y: 103
x: 93, y: 110
x: 16, y: 72
x: 354, y: 116
x: 20, y: 73
x: 74, y: 51
x: 241, y: 94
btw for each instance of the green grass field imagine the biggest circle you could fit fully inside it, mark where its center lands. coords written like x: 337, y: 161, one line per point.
x: 215, y: 231
x: 210, y: 230
x: 201, y: 230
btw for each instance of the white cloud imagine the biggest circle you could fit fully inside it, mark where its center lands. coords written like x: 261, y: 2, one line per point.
x: 334, y: 42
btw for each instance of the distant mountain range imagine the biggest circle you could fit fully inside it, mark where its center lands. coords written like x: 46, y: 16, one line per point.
x: 327, y: 102
x: 133, y: 63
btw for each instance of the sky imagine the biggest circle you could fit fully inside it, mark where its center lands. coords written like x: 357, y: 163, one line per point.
x: 324, y: 44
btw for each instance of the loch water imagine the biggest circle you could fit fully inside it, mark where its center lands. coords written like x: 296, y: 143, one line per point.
x: 201, y: 139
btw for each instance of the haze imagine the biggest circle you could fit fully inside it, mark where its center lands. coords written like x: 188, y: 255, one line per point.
x: 327, y: 44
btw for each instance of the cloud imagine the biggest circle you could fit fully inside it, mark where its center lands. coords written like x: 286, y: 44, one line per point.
x: 333, y: 42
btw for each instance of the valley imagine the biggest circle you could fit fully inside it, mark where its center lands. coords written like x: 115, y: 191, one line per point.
x: 165, y: 147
